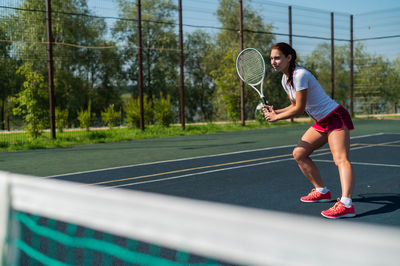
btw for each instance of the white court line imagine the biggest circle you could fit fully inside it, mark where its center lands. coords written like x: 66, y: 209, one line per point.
x: 243, y: 166
x: 174, y: 160
x: 192, y: 158
x: 359, y: 147
x: 360, y: 163
x: 195, y: 174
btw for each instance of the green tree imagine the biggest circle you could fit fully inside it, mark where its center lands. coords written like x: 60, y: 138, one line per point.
x: 227, y: 96
x: 392, y: 86
x: 374, y: 82
x: 91, y: 71
x: 107, y: 78
x: 159, y: 41
x: 319, y: 63
x: 29, y: 24
x: 376, y: 79
x: 199, y: 83
x: 371, y: 83
x: 30, y: 101
x: 10, y: 81
x: 256, y: 34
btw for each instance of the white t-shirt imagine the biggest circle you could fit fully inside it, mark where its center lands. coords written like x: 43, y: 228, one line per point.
x: 318, y: 104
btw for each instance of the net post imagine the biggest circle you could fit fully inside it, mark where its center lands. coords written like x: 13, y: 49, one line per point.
x: 4, y: 216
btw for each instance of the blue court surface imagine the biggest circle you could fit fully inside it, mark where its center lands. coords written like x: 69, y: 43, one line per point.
x: 269, y: 178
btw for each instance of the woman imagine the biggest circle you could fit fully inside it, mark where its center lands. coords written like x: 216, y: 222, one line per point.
x: 332, y: 126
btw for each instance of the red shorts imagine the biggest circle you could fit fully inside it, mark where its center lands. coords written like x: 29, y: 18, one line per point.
x: 336, y: 120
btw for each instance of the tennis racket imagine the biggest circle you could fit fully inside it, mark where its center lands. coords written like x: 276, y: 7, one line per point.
x: 250, y: 67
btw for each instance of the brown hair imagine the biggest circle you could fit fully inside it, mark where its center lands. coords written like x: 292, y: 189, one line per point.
x: 286, y: 49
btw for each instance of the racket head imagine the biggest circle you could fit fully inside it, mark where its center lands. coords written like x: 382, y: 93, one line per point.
x: 250, y: 66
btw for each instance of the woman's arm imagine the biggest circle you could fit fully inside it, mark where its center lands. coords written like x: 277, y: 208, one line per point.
x: 268, y: 107
x: 295, y: 109
x: 286, y: 108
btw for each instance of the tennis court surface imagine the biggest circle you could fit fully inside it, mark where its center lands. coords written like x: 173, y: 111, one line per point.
x: 269, y: 178
x: 238, y: 207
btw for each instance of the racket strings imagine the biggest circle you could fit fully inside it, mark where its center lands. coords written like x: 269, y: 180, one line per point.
x: 251, y: 67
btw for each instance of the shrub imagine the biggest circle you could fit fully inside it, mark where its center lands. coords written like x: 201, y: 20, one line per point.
x: 132, y: 111
x: 110, y: 117
x: 61, y: 119
x: 85, y: 118
x: 163, y: 114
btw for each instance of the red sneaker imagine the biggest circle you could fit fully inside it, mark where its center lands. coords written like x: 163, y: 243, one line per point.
x: 339, y: 211
x: 315, y: 196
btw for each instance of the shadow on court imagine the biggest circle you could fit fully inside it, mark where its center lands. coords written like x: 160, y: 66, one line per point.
x: 386, y: 202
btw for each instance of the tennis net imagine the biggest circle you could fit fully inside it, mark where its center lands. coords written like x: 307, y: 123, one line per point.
x: 49, y: 222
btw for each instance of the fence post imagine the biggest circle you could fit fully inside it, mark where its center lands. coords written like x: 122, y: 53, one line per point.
x: 181, y: 62
x: 351, y: 67
x: 242, y: 104
x: 2, y: 114
x: 50, y: 70
x: 332, y: 57
x: 290, y: 37
x: 140, y: 63
x: 290, y: 26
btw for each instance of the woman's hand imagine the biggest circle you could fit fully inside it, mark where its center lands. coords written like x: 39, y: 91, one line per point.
x: 269, y: 113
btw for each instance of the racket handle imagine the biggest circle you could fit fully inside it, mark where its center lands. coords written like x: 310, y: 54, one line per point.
x: 264, y: 101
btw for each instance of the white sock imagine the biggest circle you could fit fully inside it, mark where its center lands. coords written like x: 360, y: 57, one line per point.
x: 322, y: 190
x: 347, y: 202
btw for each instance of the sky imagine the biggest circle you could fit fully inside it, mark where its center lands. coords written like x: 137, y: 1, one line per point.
x: 305, y: 21
x: 346, y: 6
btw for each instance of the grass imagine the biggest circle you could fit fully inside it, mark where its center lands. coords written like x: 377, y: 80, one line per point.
x: 385, y: 116
x: 14, y: 141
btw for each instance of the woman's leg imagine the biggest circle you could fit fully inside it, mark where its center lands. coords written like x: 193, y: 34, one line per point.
x: 339, y: 143
x: 310, y: 141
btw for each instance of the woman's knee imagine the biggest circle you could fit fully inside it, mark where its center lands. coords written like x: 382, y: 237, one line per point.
x: 341, y: 160
x: 299, y: 154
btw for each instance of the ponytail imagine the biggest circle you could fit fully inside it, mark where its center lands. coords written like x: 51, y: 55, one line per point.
x: 292, y: 67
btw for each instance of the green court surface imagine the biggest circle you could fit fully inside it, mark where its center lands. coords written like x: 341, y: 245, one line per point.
x: 59, y: 161
x: 253, y: 169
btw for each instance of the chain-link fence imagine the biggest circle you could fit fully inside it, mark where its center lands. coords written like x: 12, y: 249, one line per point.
x: 95, y: 59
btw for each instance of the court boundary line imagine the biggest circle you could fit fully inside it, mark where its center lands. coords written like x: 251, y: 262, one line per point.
x: 196, y: 157
x: 201, y: 168
x: 173, y: 160
x: 224, y: 169
x: 192, y: 174
x: 362, y: 163
x: 192, y: 169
